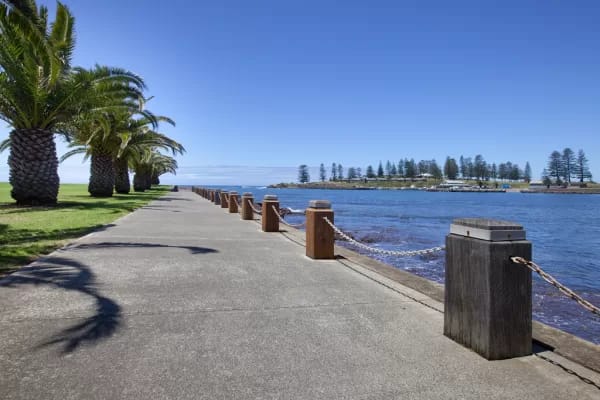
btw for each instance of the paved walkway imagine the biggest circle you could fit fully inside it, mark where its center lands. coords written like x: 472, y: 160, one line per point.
x: 181, y: 300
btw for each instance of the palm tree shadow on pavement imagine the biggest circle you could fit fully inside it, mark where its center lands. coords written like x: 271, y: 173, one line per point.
x: 67, y: 274
x: 104, y: 245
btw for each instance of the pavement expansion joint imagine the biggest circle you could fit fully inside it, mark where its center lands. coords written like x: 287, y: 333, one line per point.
x: 217, y: 310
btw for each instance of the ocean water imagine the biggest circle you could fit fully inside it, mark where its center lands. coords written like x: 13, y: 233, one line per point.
x: 564, y: 230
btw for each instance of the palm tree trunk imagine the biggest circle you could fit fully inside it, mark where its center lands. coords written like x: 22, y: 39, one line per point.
x: 102, y: 174
x: 148, y: 180
x: 122, y: 184
x: 33, y: 167
x: 138, y: 181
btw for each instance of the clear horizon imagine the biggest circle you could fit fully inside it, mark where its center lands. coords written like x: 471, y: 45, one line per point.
x: 272, y: 85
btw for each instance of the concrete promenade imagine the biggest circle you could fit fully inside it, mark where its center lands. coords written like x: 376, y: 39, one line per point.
x: 180, y: 300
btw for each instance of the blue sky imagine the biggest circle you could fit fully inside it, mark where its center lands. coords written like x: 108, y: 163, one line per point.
x: 257, y: 88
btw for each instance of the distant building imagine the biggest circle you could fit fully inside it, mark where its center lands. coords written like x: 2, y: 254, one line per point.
x: 453, y: 184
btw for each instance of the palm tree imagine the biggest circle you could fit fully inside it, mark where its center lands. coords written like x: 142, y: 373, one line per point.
x: 111, y: 141
x: 148, y: 164
x: 99, y: 135
x: 40, y: 94
x: 34, y: 94
x: 140, y: 139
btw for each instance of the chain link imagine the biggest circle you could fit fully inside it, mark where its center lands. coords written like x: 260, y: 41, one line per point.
x: 407, y: 253
x: 283, y: 221
x: 550, y: 279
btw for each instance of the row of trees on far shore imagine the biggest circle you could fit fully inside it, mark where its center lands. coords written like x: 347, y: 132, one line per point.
x: 565, y: 166
x: 562, y: 167
x: 476, y: 168
x: 100, y: 111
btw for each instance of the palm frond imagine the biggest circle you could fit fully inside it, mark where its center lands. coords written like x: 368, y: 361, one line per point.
x: 5, y: 145
x: 75, y: 151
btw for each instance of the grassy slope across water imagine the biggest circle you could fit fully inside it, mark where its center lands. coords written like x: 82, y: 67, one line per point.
x: 28, y: 232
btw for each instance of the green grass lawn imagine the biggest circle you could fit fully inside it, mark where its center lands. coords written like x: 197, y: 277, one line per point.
x: 28, y: 232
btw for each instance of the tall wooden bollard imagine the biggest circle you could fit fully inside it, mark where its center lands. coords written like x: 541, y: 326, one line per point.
x: 270, y: 217
x: 224, y: 199
x: 212, y: 196
x: 217, y: 199
x: 320, y: 237
x: 488, y: 298
x: 233, y: 198
x: 247, y: 202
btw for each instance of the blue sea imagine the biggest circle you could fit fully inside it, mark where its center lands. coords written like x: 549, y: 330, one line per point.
x: 564, y: 230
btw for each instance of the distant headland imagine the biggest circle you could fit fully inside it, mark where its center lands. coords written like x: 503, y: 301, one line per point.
x: 442, y: 186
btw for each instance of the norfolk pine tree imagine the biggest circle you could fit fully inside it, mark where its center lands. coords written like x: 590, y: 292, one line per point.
x: 322, y: 173
x: 380, y: 170
x: 303, y: 176
x: 582, y: 169
x: 527, y: 172
x: 568, y: 160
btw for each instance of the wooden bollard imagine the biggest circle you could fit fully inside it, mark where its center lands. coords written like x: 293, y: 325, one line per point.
x: 270, y: 217
x: 247, y: 202
x: 320, y: 237
x: 233, y: 198
x: 217, y: 199
x: 487, y: 297
x: 224, y: 199
x: 212, y: 196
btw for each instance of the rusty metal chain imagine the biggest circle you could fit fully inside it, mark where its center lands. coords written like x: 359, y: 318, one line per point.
x: 283, y: 221
x: 407, y: 253
x: 551, y: 280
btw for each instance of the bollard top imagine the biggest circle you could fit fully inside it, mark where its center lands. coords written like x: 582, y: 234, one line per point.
x: 319, y: 204
x: 270, y: 197
x: 234, y: 193
x: 487, y: 229
x: 247, y: 194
